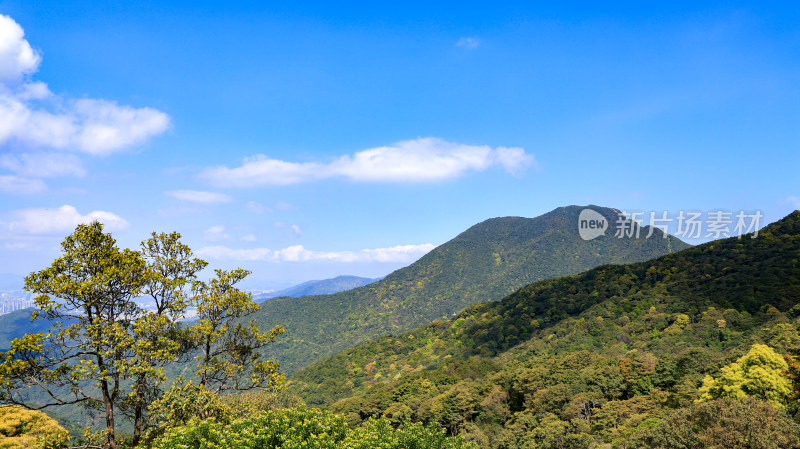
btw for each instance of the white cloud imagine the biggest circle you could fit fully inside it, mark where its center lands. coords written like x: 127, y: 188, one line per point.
x: 469, y: 43
x: 421, y: 160
x: 197, y: 196
x: 60, y: 220
x: 262, y: 170
x: 33, y: 117
x: 249, y: 238
x: 215, y: 233
x: 17, y: 58
x: 297, y: 253
x: 295, y: 229
x: 97, y: 127
x: 21, y: 186
x: 43, y: 165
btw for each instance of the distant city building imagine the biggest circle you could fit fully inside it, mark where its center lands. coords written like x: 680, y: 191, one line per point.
x: 11, y: 301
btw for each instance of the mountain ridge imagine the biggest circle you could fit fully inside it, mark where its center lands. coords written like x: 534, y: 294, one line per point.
x: 637, y: 340
x: 483, y: 263
x: 319, y: 287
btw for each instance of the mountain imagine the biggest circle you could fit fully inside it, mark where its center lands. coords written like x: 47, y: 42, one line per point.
x: 484, y: 263
x: 606, y: 357
x: 18, y: 323
x: 323, y: 287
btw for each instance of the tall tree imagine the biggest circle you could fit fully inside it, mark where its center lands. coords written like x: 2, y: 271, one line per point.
x: 107, y: 352
x: 229, y: 357
x: 160, y: 338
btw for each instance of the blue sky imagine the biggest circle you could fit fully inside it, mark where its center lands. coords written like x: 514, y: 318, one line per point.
x: 307, y: 142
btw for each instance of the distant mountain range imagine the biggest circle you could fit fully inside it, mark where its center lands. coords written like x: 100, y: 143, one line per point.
x: 484, y: 263
x: 18, y: 323
x: 323, y: 287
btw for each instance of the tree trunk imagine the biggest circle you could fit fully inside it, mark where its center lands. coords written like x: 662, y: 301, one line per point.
x: 138, y: 412
x: 207, y: 358
x: 110, y: 442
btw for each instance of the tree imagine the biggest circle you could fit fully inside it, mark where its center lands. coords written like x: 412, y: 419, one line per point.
x: 721, y: 423
x: 759, y: 373
x: 160, y: 339
x: 228, y: 358
x: 454, y: 407
x: 107, y: 352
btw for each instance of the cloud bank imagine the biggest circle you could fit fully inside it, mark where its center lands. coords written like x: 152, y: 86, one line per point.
x: 297, y: 253
x: 21, y: 186
x: 43, y: 165
x: 422, y: 160
x: 59, y: 221
x: 36, y: 123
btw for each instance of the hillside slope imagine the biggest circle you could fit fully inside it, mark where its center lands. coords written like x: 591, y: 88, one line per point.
x: 635, y: 341
x: 18, y: 323
x: 484, y: 263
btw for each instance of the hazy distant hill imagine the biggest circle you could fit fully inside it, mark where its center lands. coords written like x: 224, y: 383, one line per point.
x: 323, y: 287
x: 633, y: 341
x: 484, y: 263
x: 18, y: 323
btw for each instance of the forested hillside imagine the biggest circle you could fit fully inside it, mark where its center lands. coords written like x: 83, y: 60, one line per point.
x: 614, y: 355
x: 484, y: 263
x: 18, y: 323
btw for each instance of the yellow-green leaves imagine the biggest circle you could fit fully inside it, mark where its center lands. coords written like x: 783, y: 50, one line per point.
x: 107, y: 352
x: 228, y: 341
x: 759, y: 373
x: 304, y: 429
x: 21, y: 428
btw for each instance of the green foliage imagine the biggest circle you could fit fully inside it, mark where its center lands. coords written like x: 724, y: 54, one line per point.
x: 759, y: 373
x: 228, y: 345
x: 22, y: 428
x: 722, y: 423
x: 106, y: 353
x: 307, y: 429
x: 484, y: 263
x: 186, y: 401
x: 183, y: 402
x: 613, y: 351
x: 244, y: 404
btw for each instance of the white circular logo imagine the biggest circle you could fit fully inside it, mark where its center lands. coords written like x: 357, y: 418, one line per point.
x: 591, y: 224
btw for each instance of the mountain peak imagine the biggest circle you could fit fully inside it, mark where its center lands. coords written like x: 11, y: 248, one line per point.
x: 484, y: 263
x: 788, y: 225
x: 563, y: 221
